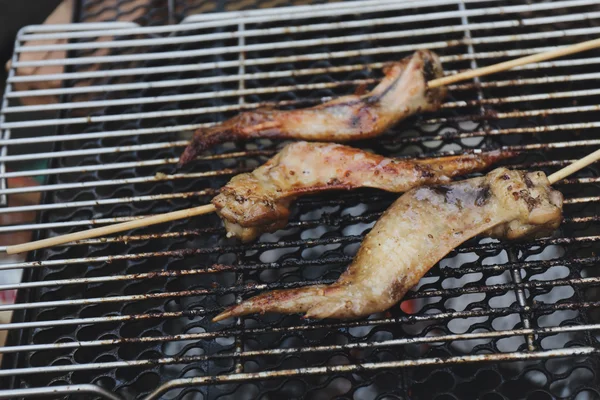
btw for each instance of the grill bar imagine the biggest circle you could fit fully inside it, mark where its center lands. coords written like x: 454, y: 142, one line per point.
x: 169, y: 196
x: 371, y: 345
x: 359, y: 345
x: 125, y: 181
x: 104, y: 134
x: 242, y: 92
x: 194, y: 81
x: 387, y: 321
x: 122, y: 200
x: 250, y: 288
x: 424, y: 138
x: 198, y: 96
x: 521, y: 298
x: 581, y: 351
x: 103, y: 167
x: 242, y: 267
x: 58, y: 390
x: 198, y: 233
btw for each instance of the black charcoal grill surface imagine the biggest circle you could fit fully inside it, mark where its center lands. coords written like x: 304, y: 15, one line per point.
x: 138, y: 308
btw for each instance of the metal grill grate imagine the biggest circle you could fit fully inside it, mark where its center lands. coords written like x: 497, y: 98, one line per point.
x: 129, y: 316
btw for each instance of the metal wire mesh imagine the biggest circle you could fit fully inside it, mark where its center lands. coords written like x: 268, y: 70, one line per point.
x: 131, y: 314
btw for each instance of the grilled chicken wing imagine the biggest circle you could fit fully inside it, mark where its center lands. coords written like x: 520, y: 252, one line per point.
x: 401, y: 93
x: 257, y: 202
x: 418, y: 230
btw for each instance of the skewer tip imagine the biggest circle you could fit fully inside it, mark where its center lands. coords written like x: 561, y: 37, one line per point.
x: 13, y: 250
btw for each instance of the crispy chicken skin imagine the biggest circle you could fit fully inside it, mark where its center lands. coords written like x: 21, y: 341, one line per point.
x: 401, y: 93
x: 259, y: 201
x: 418, y: 230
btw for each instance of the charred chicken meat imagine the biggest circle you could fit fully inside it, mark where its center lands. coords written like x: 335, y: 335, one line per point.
x: 257, y: 202
x: 418, y: 230
x: 402, y: 92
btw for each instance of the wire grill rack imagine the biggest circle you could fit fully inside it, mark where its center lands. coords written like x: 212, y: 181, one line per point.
x: 129, y: 316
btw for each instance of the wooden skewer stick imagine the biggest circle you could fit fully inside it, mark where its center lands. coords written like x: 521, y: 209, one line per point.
x: 503, y: 66
x: 576, y: 166
x: 209, y: 208
x: 109, y: 229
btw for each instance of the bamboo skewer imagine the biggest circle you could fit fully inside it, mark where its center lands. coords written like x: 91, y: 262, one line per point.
x: 576, y: 166
x: 109, y: 229
x: 518, y: 62
x: 209, y: 208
